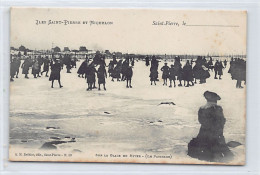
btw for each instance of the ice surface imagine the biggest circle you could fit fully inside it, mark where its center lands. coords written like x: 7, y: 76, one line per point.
x: 120, y: 118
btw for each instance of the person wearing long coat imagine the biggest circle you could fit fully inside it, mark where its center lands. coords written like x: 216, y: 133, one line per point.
x: 117, y: 71
x: 102, y: 75
x: 210, y: 143
x: 55, y: 73
x: 25, y: 66
x: 17, y: 66
x: 12, y: 68
x: 220, y: 69
x: 165, y: 74
x: 129, y: 75
x: 172, y: 76
x: 82, y: 68
x: 36, y: 68
x: 188, y: 74
x: 153, y: 75
x: 46, y: 66
x: 178, y: 70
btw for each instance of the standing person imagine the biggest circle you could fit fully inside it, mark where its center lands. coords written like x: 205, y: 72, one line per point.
x: 82, y: 68
x: 91, y: 76
x: 67, y: 62
x: 102, y: 75
x: 110, y: 68
x: 25, y: 66
x: 12, y: 68
x: 36, y: 68
x: 165, y: 74
x: 153, y: 75
x: 216, y: 69
x: 55, y: 72
x: 178, y: 69
x: 172, y: 75
x: 124, y: 68
x: 40, y: 62
x: 225, y: 63
x: 210, y: 64
x: 46, y: 66
x: 210, y: 143
x: 220, y: 69
x: 129, y: 75
x: 17, y: 65
x: 187, y: 74
x: 147, y: 60
x: 117, y: 70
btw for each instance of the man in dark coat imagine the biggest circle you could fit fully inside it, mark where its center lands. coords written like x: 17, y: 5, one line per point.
x: 216, y: 69
x: 46, y: 66
x: 210, y: 143
x: 178, y: 69
x: 55, y: 72
x: 12, y: 68
x: 165, y: 74
x: 129, y: 75
x: 172, y: 76
x: 147, y: 61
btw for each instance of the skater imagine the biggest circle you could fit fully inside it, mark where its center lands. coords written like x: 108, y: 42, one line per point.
x: 172, y: 76
x: 25, y: 66
x: 82, y: 68
x: 55, y: 72
x: 110, y: 68
x: 153, y: 75
x: 36, y: 68
x: 67, y: 62
x: 147, y: 60
x: 17, y: 65
x: 46, y: 66
x: 210, y: 143
x: 178, y: 70
x: 216, y: 69
x: 102, y: 75
x: 129, y: 75
x: 165, y: 74
x: 225, y: 63
x: 117, y: 71
x: 12, y: 68
x: 91, y: 76
x: 124, y: 68
x: 188, y: 74
x: 220, y: 69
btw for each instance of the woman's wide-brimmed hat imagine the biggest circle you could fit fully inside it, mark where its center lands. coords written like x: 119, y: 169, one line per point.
x: 211, y: 96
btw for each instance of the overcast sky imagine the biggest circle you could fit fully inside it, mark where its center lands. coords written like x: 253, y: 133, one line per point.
x: 213, y: 32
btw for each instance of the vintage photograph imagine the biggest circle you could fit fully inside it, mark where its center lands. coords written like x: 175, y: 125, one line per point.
x: 128, y: 85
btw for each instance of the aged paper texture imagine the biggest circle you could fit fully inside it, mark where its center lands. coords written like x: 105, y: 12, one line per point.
x: 128, y: 85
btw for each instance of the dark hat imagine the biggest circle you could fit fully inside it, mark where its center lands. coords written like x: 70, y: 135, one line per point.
x: 211, y: 96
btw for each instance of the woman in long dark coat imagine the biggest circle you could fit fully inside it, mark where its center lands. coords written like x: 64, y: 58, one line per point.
x: 25, y: 66
x: 55, y: 73
x: 82, y: 68
x: 46, y: 66
x: 153, y: 75
x: 172, y: 76
x: 187, y: 74
x: 102, y: 75
x: 210, y: 143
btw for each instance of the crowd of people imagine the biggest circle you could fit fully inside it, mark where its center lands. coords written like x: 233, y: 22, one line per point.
x: 122, y: 69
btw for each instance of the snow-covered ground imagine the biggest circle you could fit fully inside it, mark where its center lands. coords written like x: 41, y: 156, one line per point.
x: 119, y: 120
